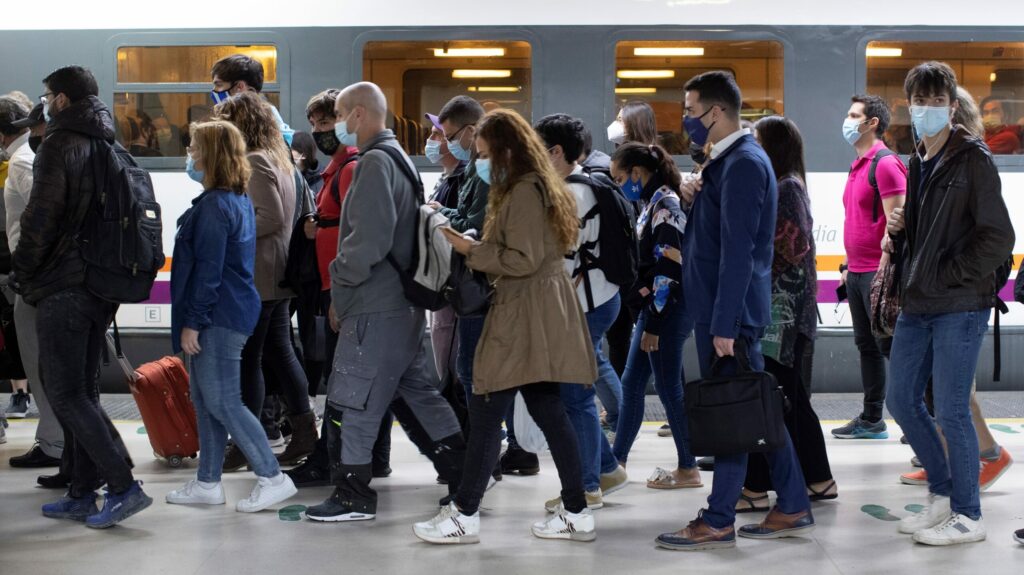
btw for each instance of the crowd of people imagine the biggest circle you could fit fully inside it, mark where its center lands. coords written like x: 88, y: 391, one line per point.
x: 577, y: 247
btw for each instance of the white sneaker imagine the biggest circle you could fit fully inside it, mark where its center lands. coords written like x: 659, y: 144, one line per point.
x: 953, y: 531
x: 450, y: 527
x: 933, y: 514
x: 266, y: 493
x: 193, y: 492
x: 565, y: 525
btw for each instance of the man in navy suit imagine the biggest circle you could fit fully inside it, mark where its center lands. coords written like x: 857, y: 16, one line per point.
x: 727, y: 257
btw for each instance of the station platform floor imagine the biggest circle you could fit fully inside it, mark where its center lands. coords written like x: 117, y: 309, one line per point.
x: 856, y: 533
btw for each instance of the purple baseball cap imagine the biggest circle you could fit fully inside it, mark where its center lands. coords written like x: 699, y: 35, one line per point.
x: 433, y: 120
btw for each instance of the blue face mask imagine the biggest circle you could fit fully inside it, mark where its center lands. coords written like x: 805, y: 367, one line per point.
x: 929, y: 120
x: 190, y: 169
x: 851, y: 130
x: 344, y: 136
x: 696, y: 129
x: 433, y: 151
x: 483, y: 169
x: 221, y: 96
x: 455, y: 147
x: 633, y: 189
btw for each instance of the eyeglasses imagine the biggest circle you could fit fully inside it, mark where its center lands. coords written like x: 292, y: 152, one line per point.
x: 43, y: 99
x: 451, y: 140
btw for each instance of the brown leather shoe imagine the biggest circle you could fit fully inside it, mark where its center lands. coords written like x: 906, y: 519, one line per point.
x: 698, y: 536
x: 303, y: 439
x: 778, y: 524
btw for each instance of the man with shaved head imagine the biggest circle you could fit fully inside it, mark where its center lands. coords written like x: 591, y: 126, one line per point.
x: 380, y: 353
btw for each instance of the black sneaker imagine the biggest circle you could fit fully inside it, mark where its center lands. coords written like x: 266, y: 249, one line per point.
x: 309, y: 474
x: 706, y: 464
x: 234, y: 459
x: 382, y: 473
x: 860, y: 428
x: 1018, y: 536
x: 336, y: 509
x: 518, y: 460
x: 18, y: 406
x: 665, y: 431
x: 34, y: 458
x: 55, y: 481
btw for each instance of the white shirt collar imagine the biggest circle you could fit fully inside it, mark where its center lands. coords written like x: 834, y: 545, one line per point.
x: 727, y: 142
x: 19, y: 142
x: 577, y: 170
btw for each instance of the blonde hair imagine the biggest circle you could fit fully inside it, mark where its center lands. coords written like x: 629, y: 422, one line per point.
x: 255, y: 119
x: 967, y: 113
x: 220, y: 147
x: 516, y: 151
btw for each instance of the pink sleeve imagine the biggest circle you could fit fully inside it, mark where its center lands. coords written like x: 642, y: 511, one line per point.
x: 891, y: 176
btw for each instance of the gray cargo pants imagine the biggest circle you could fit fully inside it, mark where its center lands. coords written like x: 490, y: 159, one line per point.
x: 381, y: 356
x: 49, y: 433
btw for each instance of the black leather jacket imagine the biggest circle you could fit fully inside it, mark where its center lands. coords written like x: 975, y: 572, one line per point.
x: 958, y: 231
x: 47, y: 260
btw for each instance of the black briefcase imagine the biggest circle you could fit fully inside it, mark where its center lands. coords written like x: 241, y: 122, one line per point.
x: 731, y: 414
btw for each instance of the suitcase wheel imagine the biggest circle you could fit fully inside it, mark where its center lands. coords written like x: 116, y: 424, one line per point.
x: 174, y: 461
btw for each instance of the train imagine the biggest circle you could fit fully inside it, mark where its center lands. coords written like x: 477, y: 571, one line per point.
x: 790, y: 57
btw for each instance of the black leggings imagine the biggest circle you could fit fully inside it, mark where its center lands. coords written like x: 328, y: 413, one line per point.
x: 271, y: 345
x: 485, y: 415
x: 801, y: 422
x: 620, y: 337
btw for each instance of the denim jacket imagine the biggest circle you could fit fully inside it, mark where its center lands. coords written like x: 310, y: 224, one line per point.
x: 212, y: 269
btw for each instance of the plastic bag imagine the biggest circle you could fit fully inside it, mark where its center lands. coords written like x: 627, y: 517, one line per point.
x: 528, y: 435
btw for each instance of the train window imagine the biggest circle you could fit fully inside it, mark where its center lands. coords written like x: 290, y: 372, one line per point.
x: 993, y: 72
x: 420, y: 77
x: 156, y: 124
x: 656, y: 71
x: 162, y: 89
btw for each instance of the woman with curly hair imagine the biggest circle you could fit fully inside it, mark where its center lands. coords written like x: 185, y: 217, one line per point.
x: 535, y: 336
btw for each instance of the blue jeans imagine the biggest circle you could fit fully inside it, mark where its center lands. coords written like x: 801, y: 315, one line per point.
x: 216, y: 375
x: 731, y: 470
x: 944, y: 347
x: 595, y: 453
x: 667, y: 366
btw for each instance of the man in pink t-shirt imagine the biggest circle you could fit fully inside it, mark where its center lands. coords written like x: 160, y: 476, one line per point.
x: 868, y: 208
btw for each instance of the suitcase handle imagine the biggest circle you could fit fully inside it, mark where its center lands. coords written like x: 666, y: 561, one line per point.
x: 741, y: 357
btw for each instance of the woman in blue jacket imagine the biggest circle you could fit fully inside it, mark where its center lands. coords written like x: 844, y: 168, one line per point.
x: 214, y: 309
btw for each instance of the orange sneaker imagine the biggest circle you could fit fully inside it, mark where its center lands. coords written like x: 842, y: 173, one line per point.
x: 919, y: 477
x: 991, y: 471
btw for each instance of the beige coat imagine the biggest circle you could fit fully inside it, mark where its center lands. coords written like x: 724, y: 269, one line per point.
x: 272, y: 192
x: 535, y: 331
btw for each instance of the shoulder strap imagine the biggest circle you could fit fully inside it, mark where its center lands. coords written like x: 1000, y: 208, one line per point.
x: 336, y: 182
x: 403, y: 166
x: 884, y: 152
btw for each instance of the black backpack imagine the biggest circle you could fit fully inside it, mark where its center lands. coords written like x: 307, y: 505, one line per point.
x: 620, y: 254
x: 1002, y: 274
x: 120, y: 236
x: 873, y: 180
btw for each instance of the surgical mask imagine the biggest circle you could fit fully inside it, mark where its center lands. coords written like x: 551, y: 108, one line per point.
x: 929, y: 120
x: 345, y: 138
x: 992, y: 121
x: 327, y: 142
x: 433, y: 151
x: 483, y: 169
x: 851, y: 130
x: 461, y: 154
x: 616, y: 133
x: 34, y: 142
x: 46, y: 110
x: 190, y: 169
x: 633, y: 189
x: 696, y: 129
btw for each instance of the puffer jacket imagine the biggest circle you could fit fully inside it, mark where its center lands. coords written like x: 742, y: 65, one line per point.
x: 958, y: 231
x: 47, y: 259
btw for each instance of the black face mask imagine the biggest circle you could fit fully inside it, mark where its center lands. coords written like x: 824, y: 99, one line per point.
x: 34, y: 142
x: 697, y: 153
x: 326, y: 142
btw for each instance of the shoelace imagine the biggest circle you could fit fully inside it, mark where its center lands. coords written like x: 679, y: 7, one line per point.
x: 953, y: 520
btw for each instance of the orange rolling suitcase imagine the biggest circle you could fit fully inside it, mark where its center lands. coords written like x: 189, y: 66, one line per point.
x: 161, y: 391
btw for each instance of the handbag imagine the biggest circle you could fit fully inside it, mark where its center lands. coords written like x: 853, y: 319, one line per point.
x: 733, y: 414
x: 468, y: 291
x: 528, y: 433
x: 885, y: 295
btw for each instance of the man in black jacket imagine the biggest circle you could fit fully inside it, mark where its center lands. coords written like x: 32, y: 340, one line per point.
x: 957, y: 233
x: 71, y: 321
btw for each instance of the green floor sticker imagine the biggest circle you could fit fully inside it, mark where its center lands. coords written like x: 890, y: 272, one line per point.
x: 879, y: 512
x: 914, y: 508
x: 1003, y: 428
x: 141, y: 431
x: 291, y: 513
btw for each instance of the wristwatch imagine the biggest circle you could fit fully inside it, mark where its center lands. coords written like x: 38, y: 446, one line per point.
x: 843, y: 268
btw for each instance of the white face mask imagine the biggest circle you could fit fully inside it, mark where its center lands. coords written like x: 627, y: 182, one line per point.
x: 616, y: 133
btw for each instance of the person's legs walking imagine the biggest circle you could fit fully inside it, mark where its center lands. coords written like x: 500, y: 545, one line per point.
x: 873, y: 354
x: 634, y: 390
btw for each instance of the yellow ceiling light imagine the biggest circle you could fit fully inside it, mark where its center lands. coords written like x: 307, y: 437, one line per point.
x: 885, y: 52
x: 494, y: 89
x: 481, y: 73
x: 654, y: 51
x: 646, y: 74
x: 469, y: 52
x: 636, y: 90
x: 992, y: 77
